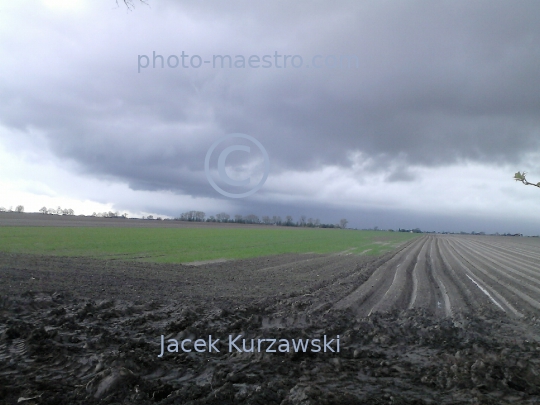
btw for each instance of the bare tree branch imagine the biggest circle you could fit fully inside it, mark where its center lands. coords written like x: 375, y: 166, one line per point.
x: 130, y: 5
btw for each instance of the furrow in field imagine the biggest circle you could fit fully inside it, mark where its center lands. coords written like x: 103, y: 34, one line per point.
x: 528, y: 255
x: 510, y: 271
x: 532, y: 271
x: 378, y: 287
x: 449, y: 293
x: 430, y: 293
x: 471, y: 284
x: 529, y: 245
x: 486, y: 292
x: 483, y: 279
x: 463, y: 295
x: 340, y: 288
x: 506, y: 295
x: 404, y: 286
x: 422, y: 294
x: 450, y: 276
x: 506, y: 276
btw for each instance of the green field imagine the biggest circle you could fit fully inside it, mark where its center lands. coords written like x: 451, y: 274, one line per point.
x: 180, y: 245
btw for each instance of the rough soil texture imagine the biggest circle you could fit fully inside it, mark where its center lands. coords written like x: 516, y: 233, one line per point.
x: 443, y: 319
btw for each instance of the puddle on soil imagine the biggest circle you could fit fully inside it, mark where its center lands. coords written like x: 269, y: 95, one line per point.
x: 203, y: 262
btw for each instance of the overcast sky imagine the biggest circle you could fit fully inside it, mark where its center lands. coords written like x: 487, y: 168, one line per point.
x: 425, y: 129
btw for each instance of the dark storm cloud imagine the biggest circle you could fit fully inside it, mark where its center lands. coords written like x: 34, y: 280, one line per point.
x: 437, y: 83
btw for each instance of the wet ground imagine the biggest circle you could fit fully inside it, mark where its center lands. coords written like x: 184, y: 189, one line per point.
x: 437, y: 321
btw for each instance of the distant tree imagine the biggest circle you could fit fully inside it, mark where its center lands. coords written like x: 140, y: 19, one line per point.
x: 222, y: 217
x: 125, y: 215
x: 289, y: 220
x: 238, y: 218
x: 303, y: 220
x: 94, y: 214
x: 70, y: 211
x: 521, y: 177
x: 159, y: 219
x: 343, y: 223
x: 19, y: 208
x: 43, y: 210
x: 186, y: 216
x: 2, y: 209
x: 317, y: 222
x: 51, y: 211
x: 252, y: 219
x: 193, y: 216
x: 199, y: 215
x: 59, y: 210
x: 150, y: 217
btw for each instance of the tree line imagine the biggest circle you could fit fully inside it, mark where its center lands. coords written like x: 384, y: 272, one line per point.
x: 223, y: 217
x: 57, y: 211
x: 43, y: 210
x: 112, y: 214
x: 200, y: 216
x: 18, y: 208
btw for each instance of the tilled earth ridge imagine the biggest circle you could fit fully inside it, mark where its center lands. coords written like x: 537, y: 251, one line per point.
x: 442, y: 319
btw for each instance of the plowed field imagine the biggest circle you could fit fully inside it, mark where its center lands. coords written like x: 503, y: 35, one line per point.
x: 447, y: 276
x: 443, y: 319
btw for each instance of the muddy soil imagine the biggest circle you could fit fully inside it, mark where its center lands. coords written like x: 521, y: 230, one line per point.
x: 84, y: 331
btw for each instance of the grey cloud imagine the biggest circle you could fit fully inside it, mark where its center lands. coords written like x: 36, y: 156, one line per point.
x: 438, y: 83
x: 401, y: 175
